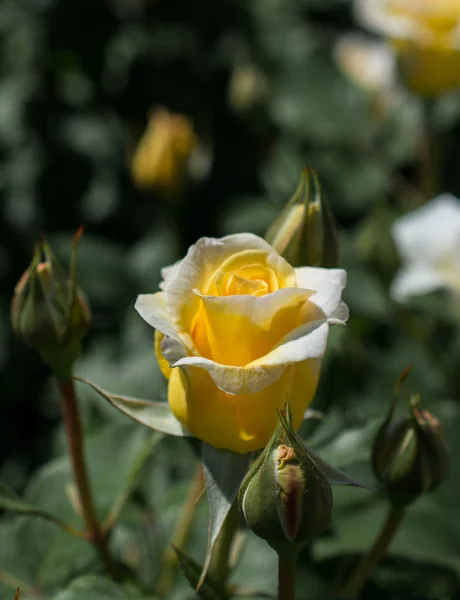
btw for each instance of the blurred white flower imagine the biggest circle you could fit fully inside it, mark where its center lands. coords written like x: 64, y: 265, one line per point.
x: 370, y: 64
x: 428, y: 241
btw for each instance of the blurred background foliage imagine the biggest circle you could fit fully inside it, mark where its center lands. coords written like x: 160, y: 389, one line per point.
x: 259, y: 82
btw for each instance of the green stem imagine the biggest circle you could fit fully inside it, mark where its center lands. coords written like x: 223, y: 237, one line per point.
x: 180, y: 535
x: 430, y: 155
x: 219, y: 567
x: 74, y: 435
x: 370, y: 560
x: 13, y: 582
x: 286, y: 576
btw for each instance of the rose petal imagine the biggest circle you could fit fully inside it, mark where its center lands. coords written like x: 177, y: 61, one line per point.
x: 305, y: 342
x: 236, y: 330
x: 232, y: 380
x: 197, y: 268
x: 240, y: 423
x: 152, y: 308
x: 169, y: 273
x: 172, y: 350
x: 327, y: 285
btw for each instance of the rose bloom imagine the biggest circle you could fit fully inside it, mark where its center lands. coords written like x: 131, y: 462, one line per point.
x: 239, y: 332
x: 425, y: 35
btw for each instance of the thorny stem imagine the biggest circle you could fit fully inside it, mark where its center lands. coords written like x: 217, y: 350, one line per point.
x: 74, y: 435
x: 12, y: 581
x: 180, y: 535
x: 370, y: 560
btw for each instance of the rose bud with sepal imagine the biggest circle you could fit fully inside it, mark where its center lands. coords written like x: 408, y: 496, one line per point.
x: 286, y: 498
x: 48, y: 311
x: 304, y: 233
x: 410, y: 456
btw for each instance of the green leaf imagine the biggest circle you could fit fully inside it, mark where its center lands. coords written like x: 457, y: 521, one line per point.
x: 154, y: 415
x: 346, y: 448
x: 430, y: 529
x: 334, y: 476
x: 210, y: 589
x: 37, y: 552
x: 93, y: 587
x: 224, y: 471
x: 133, y: 476
x: 257, y: 566
x: 12, y: 503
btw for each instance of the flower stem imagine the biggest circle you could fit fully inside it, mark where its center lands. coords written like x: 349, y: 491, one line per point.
x: 430, y: 155
x: 74, y: 435
x: 286, y: 576
x: 370, y: 560
x: 180, y: 535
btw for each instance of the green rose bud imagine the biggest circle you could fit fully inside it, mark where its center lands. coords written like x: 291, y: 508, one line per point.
x: 286, y: 498
x: 304, y: 233
x: 409, y: 455
x: 48, y: 310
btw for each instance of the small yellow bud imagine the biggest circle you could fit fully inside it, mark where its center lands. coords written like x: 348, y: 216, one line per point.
x: 304, y: 233
x: 248, y: 88
x: 48, y: 310
x: 161, y: 158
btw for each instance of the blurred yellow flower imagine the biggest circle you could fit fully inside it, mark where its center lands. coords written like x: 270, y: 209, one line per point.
x: 240, y: 332
x: 162, y: 155
x: 425, y: 35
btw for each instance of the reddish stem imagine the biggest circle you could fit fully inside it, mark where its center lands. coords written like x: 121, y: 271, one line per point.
x: 74, y: 435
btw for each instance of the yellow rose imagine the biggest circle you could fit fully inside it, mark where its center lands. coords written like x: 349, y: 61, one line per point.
x: 163, y: 152
x: 425, y: 35
x: 239, y: 332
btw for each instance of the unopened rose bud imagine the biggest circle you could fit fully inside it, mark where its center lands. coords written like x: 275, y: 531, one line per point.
x: 286, y: 498
x: 304, y: 233
x: 410, y: 456
x: 248, y: 88
x: 48, y: 310
x: 162, y: 156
